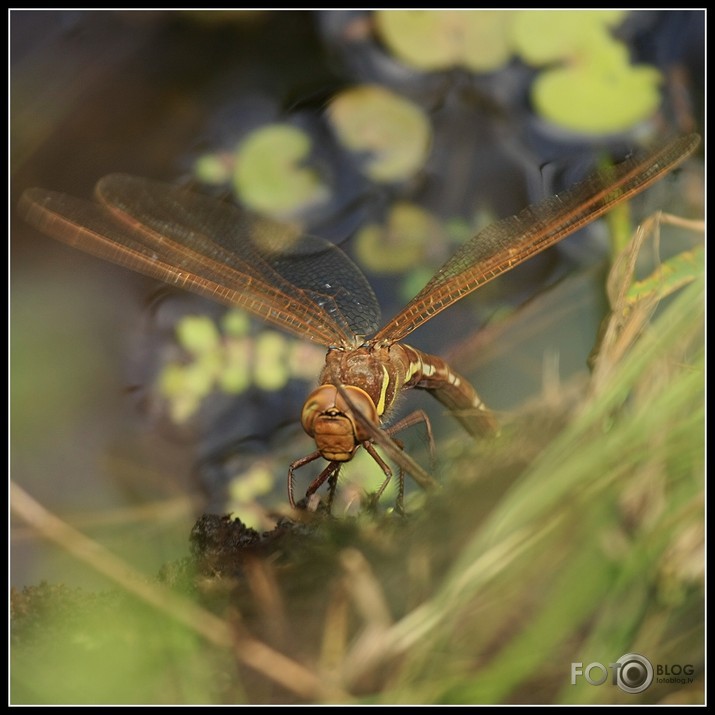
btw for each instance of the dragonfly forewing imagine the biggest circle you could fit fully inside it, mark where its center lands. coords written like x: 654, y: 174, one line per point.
x: 301, y: 283
x: 513, y: 240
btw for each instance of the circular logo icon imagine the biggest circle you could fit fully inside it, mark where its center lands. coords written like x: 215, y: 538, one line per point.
x: 635, y: 673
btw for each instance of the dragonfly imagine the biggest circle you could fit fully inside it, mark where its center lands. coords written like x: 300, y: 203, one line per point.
x: 310, y: 288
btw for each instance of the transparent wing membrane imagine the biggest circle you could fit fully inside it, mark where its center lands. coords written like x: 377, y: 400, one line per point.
x: 513, y: 240
x: 301, y: 283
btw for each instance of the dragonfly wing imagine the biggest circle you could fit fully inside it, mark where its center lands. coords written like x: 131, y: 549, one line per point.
x: 511, y: 241
x: 215, y: 249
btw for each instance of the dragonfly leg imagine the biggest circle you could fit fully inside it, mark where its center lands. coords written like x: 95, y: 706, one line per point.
x: 388, y: 476
x: 291, y: 474
x: 331, y: 474
x: 332, y: 485
x: 415, y: 418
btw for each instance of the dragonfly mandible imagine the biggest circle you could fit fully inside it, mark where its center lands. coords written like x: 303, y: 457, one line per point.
x: 311, y: 288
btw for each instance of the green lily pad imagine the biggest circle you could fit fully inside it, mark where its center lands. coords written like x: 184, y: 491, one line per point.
x: 598, y: 97
x: 184, y: 387
x: 595, y: 89
x: 439, y: 39
x: 545, y: 36
x: 236, y: 323
x: 270, y: 174
x: 271, y: 366
x: 391, y: 132
x: 235, y: 376
x: 198, y: 334
x: 214, y: 169
x: 401, y: 244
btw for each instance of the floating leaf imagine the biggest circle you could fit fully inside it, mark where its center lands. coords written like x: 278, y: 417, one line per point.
x: 214, y: 169
x: 414, y: 281
x: 200, y: 376
x: 236, y: 374
x: 184, y: 386
x: 546, y: 36
x: 459, y: 230
x: 197, y: 334
x: 391, y: 132
x: 596, y: 90
x: 401, y: 244
x: 436, y: 40
x: 236, y: 323
x: 271, y: 368
x: 597, y: 97
x: 244, y: 491
x: 270, y: 174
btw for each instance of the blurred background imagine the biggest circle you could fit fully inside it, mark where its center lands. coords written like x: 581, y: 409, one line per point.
x: 394, y: 135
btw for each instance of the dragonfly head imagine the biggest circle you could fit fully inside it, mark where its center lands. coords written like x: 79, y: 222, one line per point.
x: 331, y: 421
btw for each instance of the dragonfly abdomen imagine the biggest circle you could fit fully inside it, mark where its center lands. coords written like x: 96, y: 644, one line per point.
x: 455, y: 392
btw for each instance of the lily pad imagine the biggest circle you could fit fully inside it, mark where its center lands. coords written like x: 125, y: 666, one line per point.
x: 271, y: 175
x: 391, y: 134
x: 184, y: 387
x: 198, y: 334
x: 236, y: 323
x: 440, y: 39
x: 401, y: 243
x: 255, y: 482
x: 545, y: 36
x: 595, y: 89
x: 235, y: 376
x: 214, y: 169
x: 271, y: 366
x: 598, y: 97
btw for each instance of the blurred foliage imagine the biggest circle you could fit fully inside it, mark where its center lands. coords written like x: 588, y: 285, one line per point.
x: 39, y: 388
x: 588, y: 84
x: 245, y: 490
x: 671, y: 275
x: 106, y: 649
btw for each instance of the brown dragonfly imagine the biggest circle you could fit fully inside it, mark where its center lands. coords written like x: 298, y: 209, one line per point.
x: 310, y: 287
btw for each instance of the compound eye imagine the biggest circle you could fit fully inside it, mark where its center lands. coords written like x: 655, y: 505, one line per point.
x: 319, y: 401
x: 362, y: 403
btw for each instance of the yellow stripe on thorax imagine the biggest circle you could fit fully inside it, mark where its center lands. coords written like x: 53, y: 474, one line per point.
x: 383, y: 391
